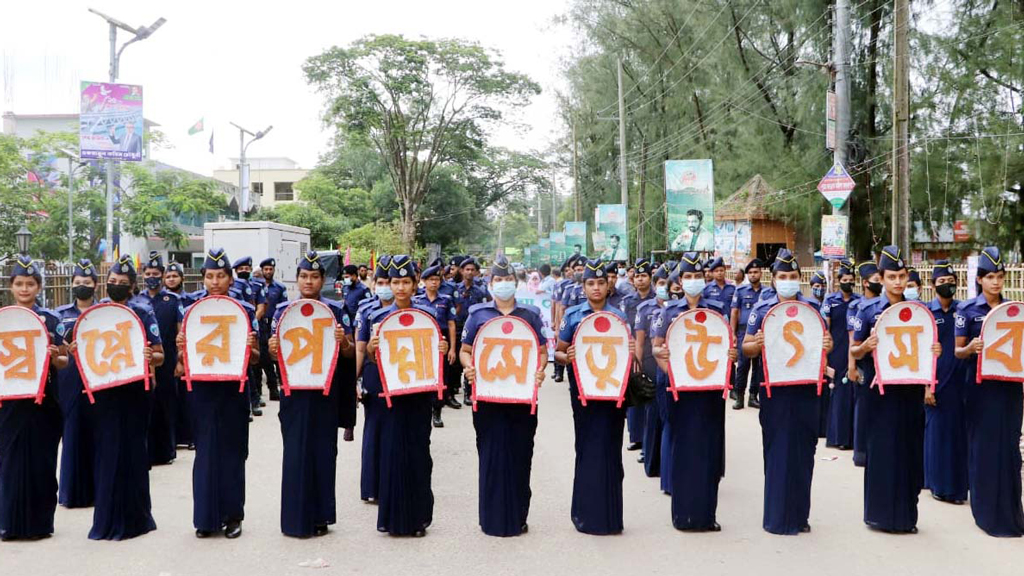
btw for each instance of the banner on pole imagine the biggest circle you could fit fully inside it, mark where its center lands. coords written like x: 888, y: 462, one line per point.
x: 690, y: 205
x: 110, y: 122
x: 611, y: 239
x: 834, y: 229
x: 576, y: 238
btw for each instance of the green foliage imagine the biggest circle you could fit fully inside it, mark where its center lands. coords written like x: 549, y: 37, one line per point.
x: 324, y: 228
x: 420, y: 104
x: 152, y: 201
x: 379, y: 238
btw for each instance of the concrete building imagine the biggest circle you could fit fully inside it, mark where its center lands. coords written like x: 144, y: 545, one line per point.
x: 272, y: 179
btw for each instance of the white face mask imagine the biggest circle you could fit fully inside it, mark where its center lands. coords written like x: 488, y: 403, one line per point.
x: 911, y: 294
x: 661, y: 292
x: 693, y: 287
x: 385, y: 293
x: 504, y: 290
x: 787, y: 288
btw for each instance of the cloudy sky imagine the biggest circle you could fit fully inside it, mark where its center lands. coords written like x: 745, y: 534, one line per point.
x: 240, y: 61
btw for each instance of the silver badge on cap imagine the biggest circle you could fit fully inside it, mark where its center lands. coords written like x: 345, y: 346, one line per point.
x: 315, y: 266
x: 697, y: 267
x: 599, y: 273
x: 31, y: 270
x: 403, y: 272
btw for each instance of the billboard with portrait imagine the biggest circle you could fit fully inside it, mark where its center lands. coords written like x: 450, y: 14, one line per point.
x: 110, y: 121
x: 690, y: 205
x: 611, y: 241
x: 576, y: 237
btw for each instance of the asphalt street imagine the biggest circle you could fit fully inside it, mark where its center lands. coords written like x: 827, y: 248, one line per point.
x: 948, y: 542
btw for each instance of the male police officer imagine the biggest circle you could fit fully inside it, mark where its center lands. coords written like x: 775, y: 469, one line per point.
x: 274, y: 293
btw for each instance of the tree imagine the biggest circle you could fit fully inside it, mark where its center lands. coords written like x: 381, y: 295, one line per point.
x: 324, y: 228
x: 421, y: 103
x: 355, y: 205
x: 375, y: 238
x: 153, y: 200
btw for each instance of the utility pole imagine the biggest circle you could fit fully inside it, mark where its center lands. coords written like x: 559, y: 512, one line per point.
x: 140, y: 33
x: 840, y: 61
x: 575, y: 173
x: 243, y: 167
x: 501, y: 232
x: 901, y: 125
x: 622, y: 145
x: 540, y: 221
x: 554, y: 200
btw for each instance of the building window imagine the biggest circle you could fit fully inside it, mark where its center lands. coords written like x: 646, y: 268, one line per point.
x: 257, y: 188
x: 283, y: 192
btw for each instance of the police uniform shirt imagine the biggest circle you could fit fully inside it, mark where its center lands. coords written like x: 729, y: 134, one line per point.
x: 836, y: 310
x: 481, y: 313
x: 447, y: 288
x: 354, y: 294
x: 969, y: 316
x: 631, y: 303
x: 576, y: 314
x: 58, y: 330
x: 275, y: 293
x: 69, y: 314
x: 166, y: 308
x: 723, y: 294
x: 646, y: 313
x: 744, y: 299
x: 444, y: 309
x: 867, y: 314
x: 466, y: 298
x: 148, y: 318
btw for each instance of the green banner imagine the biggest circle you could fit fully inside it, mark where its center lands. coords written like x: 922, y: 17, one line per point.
x: 610, y: 239
x: 545, y: 251
x: 559, y: 252
x: 576, y: 237
x: 690, y: 205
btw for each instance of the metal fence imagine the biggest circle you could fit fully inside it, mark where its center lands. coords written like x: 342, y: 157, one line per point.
x: 57, y: 284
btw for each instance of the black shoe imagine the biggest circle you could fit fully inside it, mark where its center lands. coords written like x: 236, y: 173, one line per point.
x: 191, y: 447
x: 420, y: 533
x: 203, y: 533
x: 738, y: 405
x: 233, y: 530
x: 256, y: 411
x: 467, y: 398
x: 250, y: 418
x: 263, y: 403
x: 634, y: 446
x: 948, y: 500
x: 715, y: 527
x: 558, y: 379
x: 349, y: 435
x: 320, y: 530
x: 525, y: 529
x: 274, y: 395
x: 752, y: 401
x: 453, y: 402
x: 805, y: 528
x: 438, y: 423
x: 640, y: 458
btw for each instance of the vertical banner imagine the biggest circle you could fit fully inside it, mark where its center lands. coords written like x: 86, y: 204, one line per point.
x: 544, y: 251
x: 833, y: 236
x: 690, y: 205
x: 558, y: 249
x: 110, y: 122
x: 576, y: 237
x: 528, y: 257
x: 611, y: 239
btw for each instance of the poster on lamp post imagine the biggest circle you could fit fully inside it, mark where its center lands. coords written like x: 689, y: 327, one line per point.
x: 110, y: 122
x: 690, y: 205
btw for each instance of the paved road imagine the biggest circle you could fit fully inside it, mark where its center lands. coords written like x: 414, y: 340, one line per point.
x: 948, y: 542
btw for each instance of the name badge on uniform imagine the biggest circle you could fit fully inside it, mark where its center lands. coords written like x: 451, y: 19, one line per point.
x: 109, y: 348
x: 1003, y: 337
x: 24, y: 360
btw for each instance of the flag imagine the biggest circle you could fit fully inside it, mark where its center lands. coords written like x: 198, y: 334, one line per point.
x: 211, y: 141
x: 348, y: 256
x: 373, y: 260
x: 196, y: 128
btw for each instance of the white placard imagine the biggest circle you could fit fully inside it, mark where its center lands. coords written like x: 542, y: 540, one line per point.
x: 506, y: 356
x: 906, y: 332
x: 110, y: 340
x: 1002, y: 334
x: 602, y: 362
x: 24, y: 360
x: 699, y: 341
x: 216, y: 331
x: 794, y: 345
x: 409, y: 354
x: 307, y: 351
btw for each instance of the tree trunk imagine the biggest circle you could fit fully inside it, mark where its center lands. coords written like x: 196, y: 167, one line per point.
x: 409, y: 226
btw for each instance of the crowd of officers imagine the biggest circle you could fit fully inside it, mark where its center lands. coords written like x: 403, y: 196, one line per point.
x: 961, y: 442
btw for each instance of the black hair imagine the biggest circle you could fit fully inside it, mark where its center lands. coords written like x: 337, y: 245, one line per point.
x: 545, y: 269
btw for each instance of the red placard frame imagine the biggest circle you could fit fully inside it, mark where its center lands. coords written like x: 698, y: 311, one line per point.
x: 439, y: 387
x: 78, y: 360
x: 212, y: 377
x: 731, y: 364
x: 540, y: 366
x: 978, y: 377
x: 824, y: 355
x: 629, y: 361
x: 44, y: 373
x: 285, y: 385
x: 935, y: 338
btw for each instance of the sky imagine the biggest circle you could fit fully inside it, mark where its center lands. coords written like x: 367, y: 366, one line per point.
x: 241, y: 62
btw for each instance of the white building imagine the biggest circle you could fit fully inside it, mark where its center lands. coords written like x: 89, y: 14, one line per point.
x: 272, y: 179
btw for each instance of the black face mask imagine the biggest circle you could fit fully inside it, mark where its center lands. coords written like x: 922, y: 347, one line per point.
x: 153, y: 283
x: 119, y: 292
x: 946, y: 290
x: 818, y: 293
x: 244, y: 275
x: 875, y: 287
x: 83, y: 292
x: 846, y: 287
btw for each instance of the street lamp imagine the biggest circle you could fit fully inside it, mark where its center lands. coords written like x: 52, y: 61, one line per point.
x: 243, y: 166
x: 72, y: 160
x: 140, y: 33
x: 23, y: 236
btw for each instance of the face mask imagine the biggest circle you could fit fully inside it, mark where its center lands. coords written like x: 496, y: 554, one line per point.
x: 83, y: 292
x: 153, y: 283
x: 693, y: 287
x: 661, y: 292
x: 622, y: 271
x: 577, y: 277
x: 846, y: 287
x: 385, y: 293
x: 911, y: 294
x: 787, y: 288
x: 244, y: 275
x: 346, y: 281
x: 675, y: 295
x: 818, y: 293
x: 946, y: 290
x: 119, y: 292
x: 503, y: 290
x: 875, y: 287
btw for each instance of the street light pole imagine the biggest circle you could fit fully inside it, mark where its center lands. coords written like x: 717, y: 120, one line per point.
x: 243, y: 166
x: 140, y: 33
x: 71, y: 214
